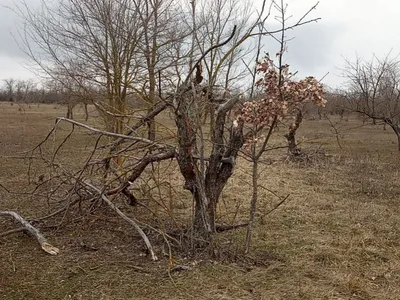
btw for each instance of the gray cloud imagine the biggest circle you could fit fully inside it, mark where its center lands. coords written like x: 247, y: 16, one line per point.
x: 13, y: 60
x: 312, y: 46
x: 8, y: 25
x: 346, y: 28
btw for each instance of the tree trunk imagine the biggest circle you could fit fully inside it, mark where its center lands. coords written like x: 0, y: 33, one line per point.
x: 398, y: 140
x: 151, y: 127
x: 206, y: 188
x: 151, y: 124
x: 86, y: 111
x: 203, y: 223
x: 293, y: 150
x: 253, y: 206
x: 396, y: 129
x: 69, y: 111
x: 319, y: 114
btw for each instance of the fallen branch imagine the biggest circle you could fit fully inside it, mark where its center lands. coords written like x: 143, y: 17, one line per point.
x: 222, y: 228
x: 126, y: 218
x: 111, y: 134
x: 133, y: 129
x: 139, y: 168
x: 32, y: 230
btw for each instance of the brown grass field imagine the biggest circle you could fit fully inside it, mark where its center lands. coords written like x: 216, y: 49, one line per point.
x: 336, y: 237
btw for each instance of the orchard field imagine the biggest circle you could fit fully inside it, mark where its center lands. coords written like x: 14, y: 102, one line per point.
x: 337, y: 236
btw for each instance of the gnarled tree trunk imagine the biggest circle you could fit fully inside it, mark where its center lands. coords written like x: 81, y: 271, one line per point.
x: 396, y: 129
x: 206, y: 187
x: 293, y: 150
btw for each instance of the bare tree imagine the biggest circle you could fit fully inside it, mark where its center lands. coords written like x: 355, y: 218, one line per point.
x: 10, y: 88
x: 93, y: 43
x: 103, y: 48
x: 374, y: 90
x: 280, y: 97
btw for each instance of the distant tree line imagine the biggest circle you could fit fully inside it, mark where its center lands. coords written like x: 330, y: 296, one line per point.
x: 27, y: 91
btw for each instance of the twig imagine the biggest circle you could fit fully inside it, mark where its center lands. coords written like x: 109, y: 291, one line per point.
x: 277, y: 205
x: 336, y: 132
x: 55, y: 212
x: 107, y: 133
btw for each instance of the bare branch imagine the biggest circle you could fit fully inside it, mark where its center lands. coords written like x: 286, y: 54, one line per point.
x: 33, y: 231
x: 126, y: 218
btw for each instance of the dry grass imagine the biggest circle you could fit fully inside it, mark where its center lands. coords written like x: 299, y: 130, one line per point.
x: 336, y: 237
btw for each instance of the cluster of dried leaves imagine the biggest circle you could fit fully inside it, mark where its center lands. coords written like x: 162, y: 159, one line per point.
x: 281, y: 94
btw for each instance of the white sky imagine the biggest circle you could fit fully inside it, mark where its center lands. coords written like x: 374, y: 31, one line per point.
x: 347, y: 28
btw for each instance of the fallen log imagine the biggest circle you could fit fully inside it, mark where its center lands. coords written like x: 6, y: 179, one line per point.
x: 50, y: 249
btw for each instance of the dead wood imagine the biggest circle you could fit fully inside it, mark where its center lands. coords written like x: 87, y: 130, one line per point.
x: 222, y: 228
x: 32, y: 231
x: 179, y: 268
x: 126, y: 218
x: 138, y: 169
x: 107, y: 133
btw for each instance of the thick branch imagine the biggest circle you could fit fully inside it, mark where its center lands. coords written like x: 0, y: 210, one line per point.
x: 227, y: 106
x: 208, y: 51
x: 139, y: 168
x: 107, y: 133
x: 33, y: 231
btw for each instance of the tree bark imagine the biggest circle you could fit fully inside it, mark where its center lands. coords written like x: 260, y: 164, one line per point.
x: 70, y: 114
x: 85, y: 105
x: 32, y: 231
x: 398, y: 140
x: 396, y: 129
x: 293, y: 150
x: 207, y: 189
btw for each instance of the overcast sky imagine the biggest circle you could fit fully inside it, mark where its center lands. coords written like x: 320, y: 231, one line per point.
x: 346, y: 28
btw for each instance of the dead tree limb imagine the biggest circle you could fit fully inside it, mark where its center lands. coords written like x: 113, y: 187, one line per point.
x: 126, y: 218
x: 222, y: 228
x: 111, y: 134
x: 139, y: 168
x: 33, y: 231
x: 150, y: 116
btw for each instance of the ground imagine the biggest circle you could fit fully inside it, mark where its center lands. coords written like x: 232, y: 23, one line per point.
x: 336, y: 237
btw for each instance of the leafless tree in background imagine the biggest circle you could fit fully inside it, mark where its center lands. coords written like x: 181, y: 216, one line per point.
x: 93, y: 43
x: 374, y: 90
x: 9, y: 88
